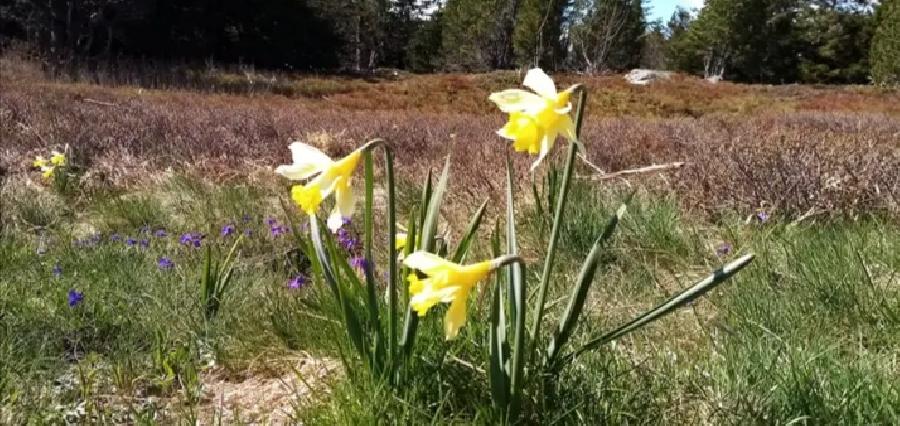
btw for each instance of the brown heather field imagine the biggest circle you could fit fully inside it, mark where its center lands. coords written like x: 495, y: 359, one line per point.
x: 791, y: 150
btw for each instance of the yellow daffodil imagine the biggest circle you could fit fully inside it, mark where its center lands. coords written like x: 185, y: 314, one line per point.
x: 39, y: 162
x: 446, y: 282
x: 400, y: 240
x: 536, y: 118
x: 47, y: 171
x: 326, y: 177
x: 57, y: 158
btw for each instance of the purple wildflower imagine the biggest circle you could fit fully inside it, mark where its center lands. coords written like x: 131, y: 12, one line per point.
x: 228, y: 230
x: 192, y: 239
x: 75, y: 297
x: 724, y: 250
x: 346, y: 240
x: 165, y: 263
x: 297, y: 282
x: 246, y: 218
x: 248, y: 232
x: 57, y: 270
x: 115, y: 237
x: 359, y: 262
x: 145, y: 243
x: 762, y: 216
x: 278, y: 230
x: 271, y: 221
x: 130, y: 242
x: 160, y: 233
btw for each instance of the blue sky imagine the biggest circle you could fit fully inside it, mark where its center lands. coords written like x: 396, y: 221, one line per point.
x: 662, y: 9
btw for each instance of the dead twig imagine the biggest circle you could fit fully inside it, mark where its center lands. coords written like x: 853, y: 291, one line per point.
x: 639, y: 170
x: 96, y: 102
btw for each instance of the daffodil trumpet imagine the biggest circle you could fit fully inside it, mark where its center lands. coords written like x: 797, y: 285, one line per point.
x: 447, y: 282
x: 324, y: 176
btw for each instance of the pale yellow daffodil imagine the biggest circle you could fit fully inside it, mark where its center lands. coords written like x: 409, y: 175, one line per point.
x: 446, y: 282
x: 400, y: 240
x: 536, y: 118
x: 39, y: 162
x: 47, y: 171
x: 326, y: 177
x: 57, y: 158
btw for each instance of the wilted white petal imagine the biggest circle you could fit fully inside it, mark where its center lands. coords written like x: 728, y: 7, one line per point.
x: 515, y: 100
x: 540, y: 82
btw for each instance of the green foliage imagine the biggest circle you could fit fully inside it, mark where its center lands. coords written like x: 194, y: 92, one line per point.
x: 215, y: 280
x: 885, y: 53
x: 608, y: 37
x: 468, y: 27
x: 536, y: 35
x: 836, y: 44
x: 424, y: 47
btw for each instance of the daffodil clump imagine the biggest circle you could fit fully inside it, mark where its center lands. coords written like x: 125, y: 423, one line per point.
x: 537, y: 118
x: 48, y: 168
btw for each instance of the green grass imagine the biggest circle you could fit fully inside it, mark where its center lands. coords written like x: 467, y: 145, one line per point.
x: 807, y: 334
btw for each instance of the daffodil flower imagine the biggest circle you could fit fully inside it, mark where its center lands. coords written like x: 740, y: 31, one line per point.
x: 57, y: 158
x: 446, y: 282
x: 536, y: 118
x: 326, y: 177
x: 39, y: 162
x: 47, y: 171
x: 400, y: 240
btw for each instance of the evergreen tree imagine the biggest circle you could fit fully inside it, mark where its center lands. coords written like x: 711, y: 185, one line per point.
x: 608, y: 36
x: 885, y: 52
x: 537, y: 33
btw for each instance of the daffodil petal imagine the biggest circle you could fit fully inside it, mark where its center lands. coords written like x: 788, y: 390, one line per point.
x: 565, y: 109
x: 546, y: 144
x: 456, y: 315
x: 307, y: 159
x: 536, y: 79
x: 296, y: 172
x: 514, y: 100
x: 344, y: 204
x: 302, y: 153
x: 428, y: 263
x: 424, y: 300
x: 567, y: 128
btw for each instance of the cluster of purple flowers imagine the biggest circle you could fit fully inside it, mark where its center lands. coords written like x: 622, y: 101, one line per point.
x: 275, y: 228
x: 75, y: 297
x: 194, y: 239
x: 346, y: 239
x: 297, y: 282
x: 228, y: 230
x: 164, y: 263
x: 91, y: 241
x: 359, y: 262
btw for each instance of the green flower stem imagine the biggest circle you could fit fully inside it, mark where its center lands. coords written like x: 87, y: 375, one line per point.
x: 557, y: 220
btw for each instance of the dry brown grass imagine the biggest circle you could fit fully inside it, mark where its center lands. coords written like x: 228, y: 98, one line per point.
x: 790, y: 149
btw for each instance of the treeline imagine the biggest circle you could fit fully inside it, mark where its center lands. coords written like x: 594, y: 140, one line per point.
x: 775, y: 41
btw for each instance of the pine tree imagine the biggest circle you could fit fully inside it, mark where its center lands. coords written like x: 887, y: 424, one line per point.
x: 885, y: 51
x: 538, y: 28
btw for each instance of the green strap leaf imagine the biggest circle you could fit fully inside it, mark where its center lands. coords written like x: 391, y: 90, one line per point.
x: 466, y: 241
x: 697, y: 290
x: 583, y: 284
